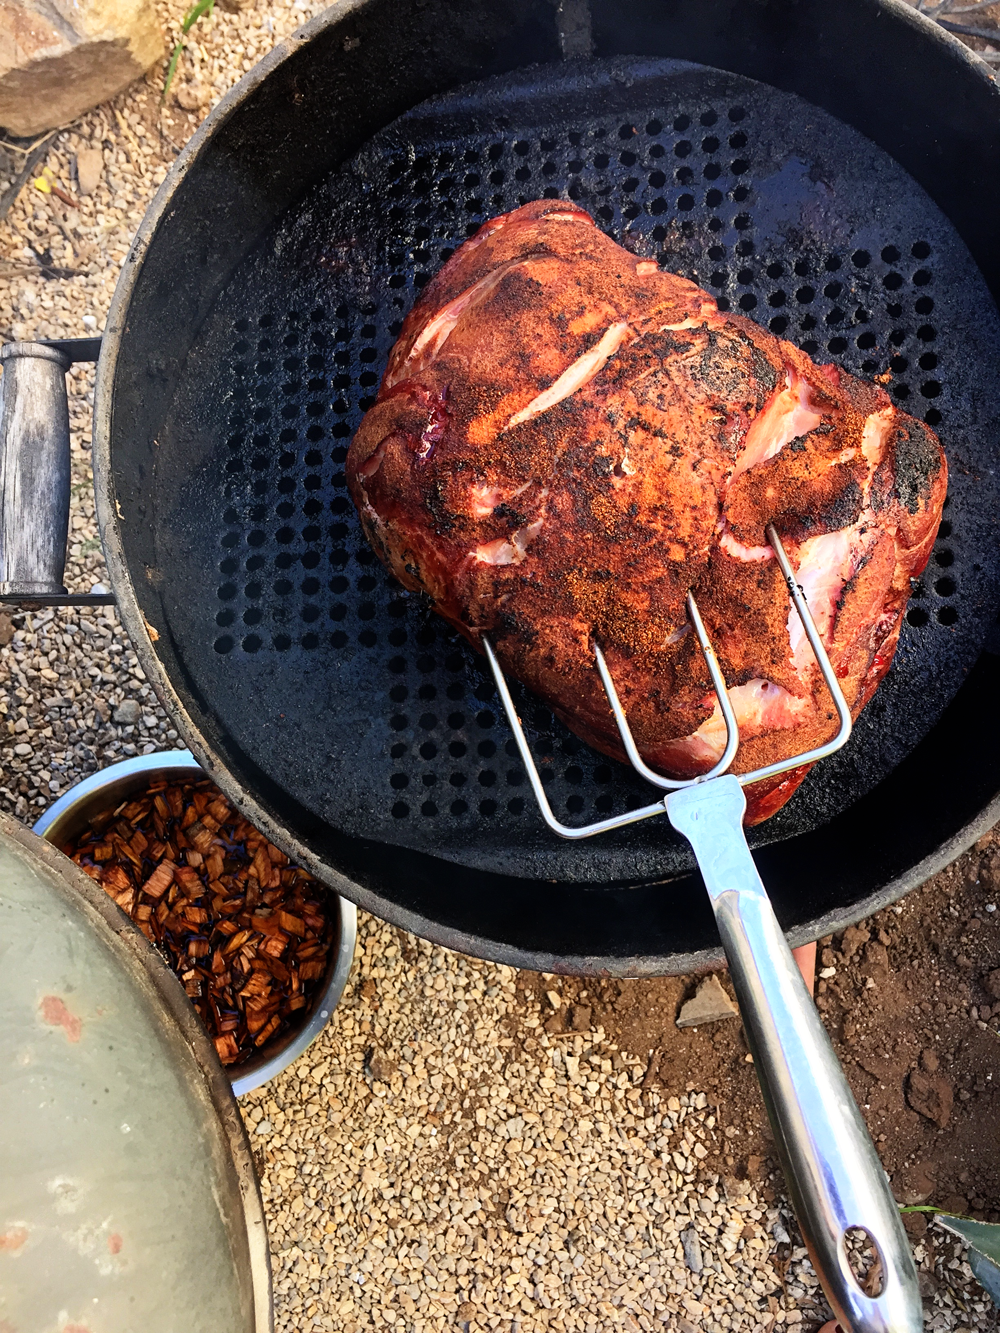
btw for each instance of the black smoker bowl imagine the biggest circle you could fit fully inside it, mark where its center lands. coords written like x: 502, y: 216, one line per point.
x: 833, y: 198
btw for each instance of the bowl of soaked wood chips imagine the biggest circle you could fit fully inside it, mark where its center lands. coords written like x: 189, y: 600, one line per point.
x: 262, y: 949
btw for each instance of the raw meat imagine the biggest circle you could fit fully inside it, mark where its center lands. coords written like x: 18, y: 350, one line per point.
x: 567, y: 439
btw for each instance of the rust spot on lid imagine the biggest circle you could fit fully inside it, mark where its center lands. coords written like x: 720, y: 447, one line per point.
x: 55, y: 1013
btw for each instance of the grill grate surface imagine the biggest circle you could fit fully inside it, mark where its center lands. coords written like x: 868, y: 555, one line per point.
x: 347, y: 691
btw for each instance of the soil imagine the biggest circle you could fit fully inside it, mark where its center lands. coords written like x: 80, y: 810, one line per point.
x: 913, y: 1008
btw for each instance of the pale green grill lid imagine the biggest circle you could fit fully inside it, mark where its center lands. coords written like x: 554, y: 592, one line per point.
x: 128, y: 1200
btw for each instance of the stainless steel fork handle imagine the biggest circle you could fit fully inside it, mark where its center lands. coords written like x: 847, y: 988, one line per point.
x: 834, y: 1176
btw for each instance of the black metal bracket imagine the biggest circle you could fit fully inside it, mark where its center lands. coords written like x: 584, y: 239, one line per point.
x: 38, y: 600
x: 75, y: 349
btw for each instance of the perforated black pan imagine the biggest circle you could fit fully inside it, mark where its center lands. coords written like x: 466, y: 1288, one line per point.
x: 247, y: 339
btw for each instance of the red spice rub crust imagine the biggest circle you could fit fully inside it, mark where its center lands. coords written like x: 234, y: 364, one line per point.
x: 567, y: 440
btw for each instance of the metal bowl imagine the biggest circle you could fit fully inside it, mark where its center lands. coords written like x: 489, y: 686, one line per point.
x: 71, y: 814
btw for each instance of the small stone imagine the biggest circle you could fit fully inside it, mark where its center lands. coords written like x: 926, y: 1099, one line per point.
x: 23, y: 749
x: 914, y: 1184
x: 853, y: 938
x: 709, y: 1004
x: 929, y: 1061
x: 263, y: 1127
x: 466, y: 1311
x: 89, y: 170
x: 192, y: 96
x: 21, y: 726
x: 930, y: 1095
x: 128, y: 712
x: 692, y: 1250
x: 955, y: 1203
x: 6, y: 629
x: 989, y: 871
x: 379, y: 1067
x: 915, y: 1224
x: 580, y: 1017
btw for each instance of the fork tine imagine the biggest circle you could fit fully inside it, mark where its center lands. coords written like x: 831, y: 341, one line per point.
x: 721, y: 693
x: 826, y: 669
x: 564, y: 830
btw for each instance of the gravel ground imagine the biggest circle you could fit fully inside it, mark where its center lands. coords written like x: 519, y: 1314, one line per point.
x: 418, y: 1169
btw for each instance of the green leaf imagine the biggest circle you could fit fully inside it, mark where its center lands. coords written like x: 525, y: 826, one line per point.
x: 195, y: 13
x: 987, y: 1274
x: 983, y: 1240
x: 202, y: 9
x: 171, y: 70
x: 981, y: 1236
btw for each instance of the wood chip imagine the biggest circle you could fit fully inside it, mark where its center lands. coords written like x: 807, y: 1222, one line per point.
x: 249, y: 934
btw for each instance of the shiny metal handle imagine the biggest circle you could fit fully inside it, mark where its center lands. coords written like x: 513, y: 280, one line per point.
x: 834, y: 1176
x: 34, y: 469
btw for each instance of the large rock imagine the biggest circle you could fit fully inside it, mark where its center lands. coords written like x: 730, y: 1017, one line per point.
x: 59, y: 58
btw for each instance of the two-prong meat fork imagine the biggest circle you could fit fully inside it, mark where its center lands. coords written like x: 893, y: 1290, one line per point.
x: 834, y: 1176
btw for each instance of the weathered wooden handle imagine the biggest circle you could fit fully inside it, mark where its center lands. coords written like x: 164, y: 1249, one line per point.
x: 34, y: 469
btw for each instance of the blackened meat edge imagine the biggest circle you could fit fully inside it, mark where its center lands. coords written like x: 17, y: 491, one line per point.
x: 566, y: 440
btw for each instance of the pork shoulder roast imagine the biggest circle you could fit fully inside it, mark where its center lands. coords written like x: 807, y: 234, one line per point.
x: 567, y: 440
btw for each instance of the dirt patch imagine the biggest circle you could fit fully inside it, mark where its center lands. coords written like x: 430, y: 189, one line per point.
x: 913, y: 1010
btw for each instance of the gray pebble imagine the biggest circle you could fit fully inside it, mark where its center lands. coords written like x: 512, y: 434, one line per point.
x: 692, y: 1250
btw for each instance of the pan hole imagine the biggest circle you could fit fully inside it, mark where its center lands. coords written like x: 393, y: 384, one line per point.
x: 224, y: 644
x: 861, y: 259
x: 947, y: 615
x: 917, y: 617
x: 945, y: 587
x: 864, y: 1260
x: 930, y: 389
x: 736, y: 114
x: 252, y: 643
x: 920, y: 250
x: 944, y: 558
x: 932, y: 417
